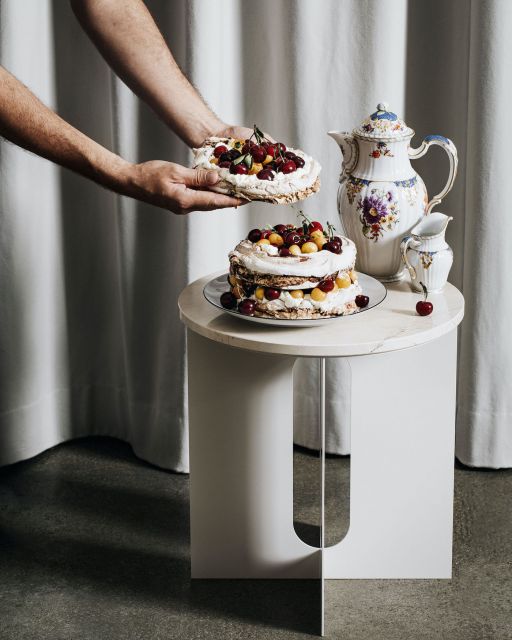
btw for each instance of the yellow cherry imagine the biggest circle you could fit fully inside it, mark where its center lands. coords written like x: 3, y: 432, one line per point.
x: 316, y: 234
x: 276, y: 239
x: 268, y: 159
x: 320, y: 241
x: 214, y: 160
x: 263, y: 241
x: 295, y: 250
x: 336, y: 288
x: 343, y: 281
x: 256, y: 168
x: 353, y: 275
x: 297, y: 293
x: 260, y: 293
x: 309, y: 247
x: 318, y: 295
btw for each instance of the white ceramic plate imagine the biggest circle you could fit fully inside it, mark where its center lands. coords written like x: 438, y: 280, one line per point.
x: 371, y: 287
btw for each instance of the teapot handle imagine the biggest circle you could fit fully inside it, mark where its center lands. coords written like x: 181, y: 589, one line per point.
x: 404, y: 247
x: 451, y: 150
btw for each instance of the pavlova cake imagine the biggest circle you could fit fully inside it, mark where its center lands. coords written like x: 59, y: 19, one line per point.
x: 259, y: 169
x: 294, y: 272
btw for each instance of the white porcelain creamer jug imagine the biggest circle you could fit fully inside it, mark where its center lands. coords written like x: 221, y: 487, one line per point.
x: 426, y: 254
x: 381, y: 197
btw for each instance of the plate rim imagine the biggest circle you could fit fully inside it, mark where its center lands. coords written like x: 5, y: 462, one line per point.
x: 289, y: 322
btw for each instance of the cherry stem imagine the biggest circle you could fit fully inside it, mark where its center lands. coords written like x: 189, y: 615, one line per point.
x: 425, y: 290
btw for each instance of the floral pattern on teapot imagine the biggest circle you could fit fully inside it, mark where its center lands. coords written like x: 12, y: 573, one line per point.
x: 381, y: 149
x: 378, y: 212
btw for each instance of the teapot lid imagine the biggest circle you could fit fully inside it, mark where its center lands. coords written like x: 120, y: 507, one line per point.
x: 383, y: 124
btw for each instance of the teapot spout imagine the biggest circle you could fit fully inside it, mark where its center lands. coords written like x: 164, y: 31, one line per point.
x: 349, y: 149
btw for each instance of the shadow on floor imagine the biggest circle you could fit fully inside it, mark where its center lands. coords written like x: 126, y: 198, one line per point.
x: 119, y: 532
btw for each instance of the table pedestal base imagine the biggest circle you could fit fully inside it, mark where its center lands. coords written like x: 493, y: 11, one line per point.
x: 241, y: 465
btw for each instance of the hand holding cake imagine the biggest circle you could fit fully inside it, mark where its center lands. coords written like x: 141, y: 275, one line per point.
x: 258, y: 168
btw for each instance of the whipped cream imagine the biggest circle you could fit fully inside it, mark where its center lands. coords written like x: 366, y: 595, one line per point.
x: 333, y: 302
x: 265, y: 259
x: 283, y: 183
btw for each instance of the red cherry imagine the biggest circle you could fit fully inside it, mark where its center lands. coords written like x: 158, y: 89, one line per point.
x: 247, y: 307
x: 292, y: 237
x: 314, y: 226
x: 280, y: 229
x: 234, y: 154
x: 265, y: 174
x: 225, y: 157
x: 271, y: 150
x: 362, y: 301
x: 228, y: 300
x: 288, y: 167
x: 254, y: 235
x: 265, y: 233
x: 333, y: 247
x: 225, y: 164
x: 238, y: 169
x: 258, y: 153
x: 326, y: 285
x: 338, y: 240
x: 284, y: 252
x: 272, y: 294
x: 299, y: 162
x: 424, y: 307
x: 281, y: 146
x: 218, y: 151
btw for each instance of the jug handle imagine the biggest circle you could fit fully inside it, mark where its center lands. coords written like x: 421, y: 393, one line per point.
x: 404, y: 247
x: 451, y: 150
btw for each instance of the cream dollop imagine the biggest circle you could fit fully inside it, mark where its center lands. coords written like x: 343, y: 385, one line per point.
x: 265, y: 259
x: 333, y: 303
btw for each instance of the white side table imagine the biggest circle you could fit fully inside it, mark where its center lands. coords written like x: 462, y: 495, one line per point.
x: 402, y: 433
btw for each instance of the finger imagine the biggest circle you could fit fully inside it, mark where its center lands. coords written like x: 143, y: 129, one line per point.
x: 208, y: 201
x: 197, y: 177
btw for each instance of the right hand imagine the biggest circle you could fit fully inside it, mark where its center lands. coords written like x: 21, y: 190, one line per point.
x: 176, y: 188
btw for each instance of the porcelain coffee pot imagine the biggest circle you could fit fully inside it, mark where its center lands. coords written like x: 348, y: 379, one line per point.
x: 380, y: 196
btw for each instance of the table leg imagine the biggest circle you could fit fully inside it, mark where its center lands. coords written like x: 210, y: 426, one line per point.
x: 402, y: 461
x: 241, y: 465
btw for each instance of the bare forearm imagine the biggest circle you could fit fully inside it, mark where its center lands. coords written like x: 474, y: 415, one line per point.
x: 128, y: 38
x: 27, y: 122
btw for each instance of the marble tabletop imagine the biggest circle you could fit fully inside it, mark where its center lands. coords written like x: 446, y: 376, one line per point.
x: 392, y: 325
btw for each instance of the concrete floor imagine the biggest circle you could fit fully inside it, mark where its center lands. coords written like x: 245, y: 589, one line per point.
x: 94, y: 546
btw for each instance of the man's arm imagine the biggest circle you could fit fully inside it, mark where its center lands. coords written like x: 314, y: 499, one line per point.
x: 129, y: 40
x: 28, y: 123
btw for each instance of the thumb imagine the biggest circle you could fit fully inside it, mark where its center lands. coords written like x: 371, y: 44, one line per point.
x: 199, y: 177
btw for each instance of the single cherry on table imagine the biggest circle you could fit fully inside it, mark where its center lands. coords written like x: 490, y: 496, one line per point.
x: 424, y: 307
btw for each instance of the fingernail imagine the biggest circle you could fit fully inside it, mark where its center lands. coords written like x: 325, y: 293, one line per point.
x: 212, y: 177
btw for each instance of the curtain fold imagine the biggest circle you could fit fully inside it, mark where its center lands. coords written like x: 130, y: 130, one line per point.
x: 90, y: 339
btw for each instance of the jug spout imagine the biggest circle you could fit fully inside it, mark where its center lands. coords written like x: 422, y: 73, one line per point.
x: 349, y: 149
x: 432, y: 225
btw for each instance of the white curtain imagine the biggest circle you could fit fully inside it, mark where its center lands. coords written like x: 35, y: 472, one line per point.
x: 90, y: 340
